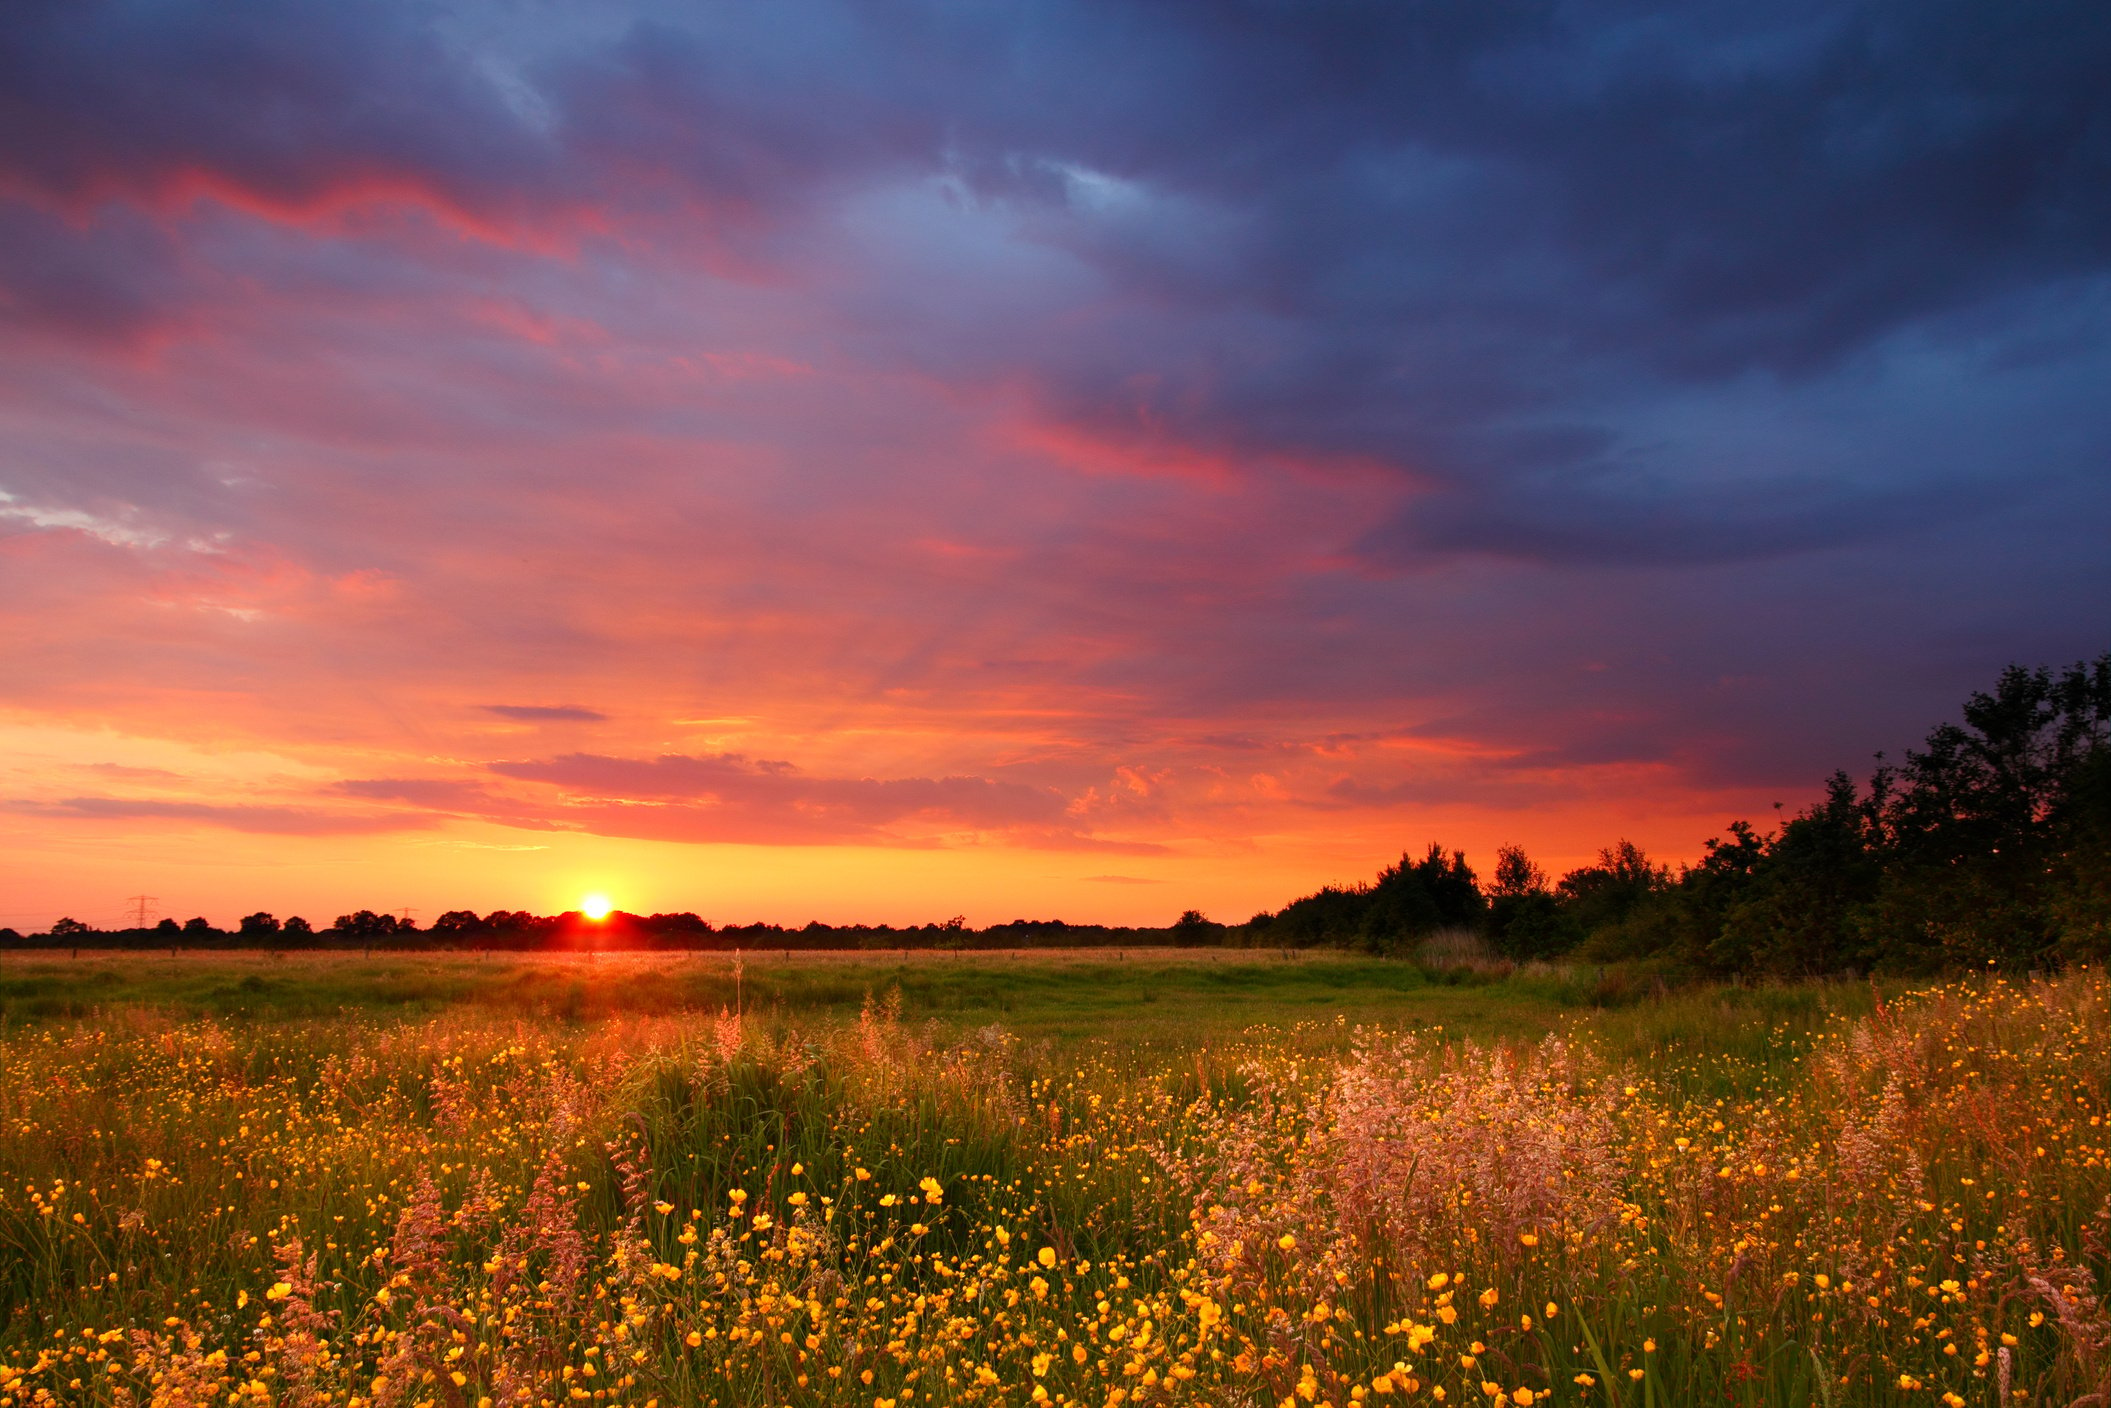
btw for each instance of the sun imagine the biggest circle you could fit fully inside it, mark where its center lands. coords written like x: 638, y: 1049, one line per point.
x: 596, y: 907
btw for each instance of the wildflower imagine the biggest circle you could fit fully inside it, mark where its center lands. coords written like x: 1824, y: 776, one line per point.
x: 1489, y: 1297
x: 932, y: 1192
x: 1287, y: 1242
x: 1047, y: 1256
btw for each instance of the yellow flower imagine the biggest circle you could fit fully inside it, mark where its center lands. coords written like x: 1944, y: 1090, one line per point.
x: 1489, y: 1297
x: 279, y: 1291
x: 1287, y: 1242
x: 1047, y: 1256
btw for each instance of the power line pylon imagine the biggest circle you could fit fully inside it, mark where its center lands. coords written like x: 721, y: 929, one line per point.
x: 139, y: 905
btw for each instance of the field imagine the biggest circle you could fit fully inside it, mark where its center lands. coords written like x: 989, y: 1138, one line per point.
x: 1102, y: 1179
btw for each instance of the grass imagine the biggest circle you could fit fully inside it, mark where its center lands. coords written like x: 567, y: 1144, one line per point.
x: 1147, y: 997
x: 1179, y: 1178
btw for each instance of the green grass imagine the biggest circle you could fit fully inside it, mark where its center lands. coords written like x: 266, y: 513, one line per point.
x: 1147, y: 1000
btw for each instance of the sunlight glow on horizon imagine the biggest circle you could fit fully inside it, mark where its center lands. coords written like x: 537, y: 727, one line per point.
x: 596, y: 907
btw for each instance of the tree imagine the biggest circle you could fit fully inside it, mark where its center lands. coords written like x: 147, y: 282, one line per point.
x: 1976, y: 821
x: 259, y: 928
x: 1193, y: 929
x: 1789, y: 904
x: 1623, y: 877
x: 1599, y: 900
x: 1416, y: 898
x: 458, y: 926
x: 1524, y: 918
x: 366, y: 928
x: 70, y: 928
x: 2080, y: 900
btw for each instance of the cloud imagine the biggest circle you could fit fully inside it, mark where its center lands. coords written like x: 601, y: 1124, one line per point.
x: 447, y: 794
x: 780, y: 798
x: 259, y: 820
x: 1598, y: 521
x: 546, y: 713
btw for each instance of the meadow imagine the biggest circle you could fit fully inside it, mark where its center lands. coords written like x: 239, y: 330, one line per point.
x: 1102, y: 1179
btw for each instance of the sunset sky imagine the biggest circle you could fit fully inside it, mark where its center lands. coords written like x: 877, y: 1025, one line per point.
x: 884, y: 460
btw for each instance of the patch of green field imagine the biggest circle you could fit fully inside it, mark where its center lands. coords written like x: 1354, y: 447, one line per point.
x: 1143, y: 1000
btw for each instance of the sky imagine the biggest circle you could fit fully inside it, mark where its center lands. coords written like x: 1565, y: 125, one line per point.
x: 878, y: 461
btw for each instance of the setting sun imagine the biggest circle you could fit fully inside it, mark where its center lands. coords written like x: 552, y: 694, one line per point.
x: 595, y: 907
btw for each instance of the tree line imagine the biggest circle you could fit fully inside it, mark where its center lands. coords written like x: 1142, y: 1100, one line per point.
x: 1988, y: 844
x: 519, y: 931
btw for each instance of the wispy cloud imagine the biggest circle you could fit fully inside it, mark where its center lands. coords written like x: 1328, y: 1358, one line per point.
x: 546, y: 713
